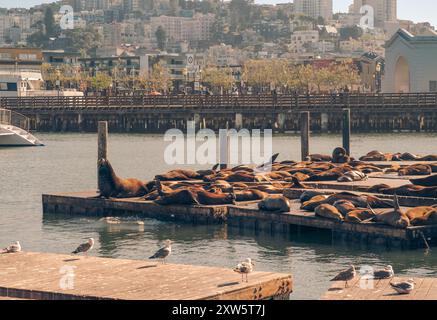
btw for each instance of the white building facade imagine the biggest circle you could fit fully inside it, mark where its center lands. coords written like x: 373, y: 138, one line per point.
x: 410, y: 63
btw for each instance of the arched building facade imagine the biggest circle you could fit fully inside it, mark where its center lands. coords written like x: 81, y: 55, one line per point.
x: 410, y: 63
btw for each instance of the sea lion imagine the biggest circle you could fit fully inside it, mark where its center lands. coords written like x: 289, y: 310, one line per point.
x: 318, y: 158
x: 395, y: 218
x: 180, y: 196
x: 407, y: 156
x: 352, y: 176
x: 210, y: 198
x: 430, y: 157
x: 314, y: 202
x: 425, y: 182
x: 359, y: 215
x: 430, y: 218
x: 111, y: 186
x: 339, y: 155
x: 329, y: 212
x: 250, y: 195
x: 275, y: 203
x: 344, y: 207
x: 208, y: 172
x: 415, y: 170
x: 411, y: 190
x: 308, y: 195
x: 179, y: 175
x: 418, y: 212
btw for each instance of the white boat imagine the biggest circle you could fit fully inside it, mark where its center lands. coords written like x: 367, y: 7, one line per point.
x: 14, y: 130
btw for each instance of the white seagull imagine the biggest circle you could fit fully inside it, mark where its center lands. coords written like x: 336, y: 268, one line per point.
x: 244, y: 268
x: 403, y: 287
x: 13, y: 248
x: 85, y: 247
x: 346, y: 275
x: 163, y: 252
x: 386, y: 273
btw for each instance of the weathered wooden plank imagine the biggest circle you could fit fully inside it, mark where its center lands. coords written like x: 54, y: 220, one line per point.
x: 425, y: 289
x: 39, y: 275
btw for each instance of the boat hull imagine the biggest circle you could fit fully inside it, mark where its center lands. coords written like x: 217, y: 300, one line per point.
x: 13, y: 136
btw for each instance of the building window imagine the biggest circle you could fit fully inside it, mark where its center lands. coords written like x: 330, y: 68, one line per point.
x: 433, y: 86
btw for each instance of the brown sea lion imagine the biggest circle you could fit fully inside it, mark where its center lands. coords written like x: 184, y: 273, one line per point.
x: 407, y: 156
x: 111, y: 186
x: 211, y: 198
x: 314, y: 202
x: 430, y: 218
x: 240, y: 176
x: 430, y: 157
x: 308, y: 195
x: 179, y: 175
x: 352, y: 176
x: 339, y: 155
x: 250, y: 195
x: 359, y: 215
x: 395, y: 218
x: 418, y: 212
x: 344, y: 207
x: 329, y: 212
x: 318, y: 157
x: 411, y: 190
x: 180, y: 196
x: 377, y: 188
x: 208, y: 172
x: 374, y: 156
x: 275, y: 203
x: 415, y: 170
x: 425, y: 182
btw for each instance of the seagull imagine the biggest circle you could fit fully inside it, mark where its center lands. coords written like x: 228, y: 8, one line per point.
x: 163, y: 252
x: 403, y: 287
x: 85, y: 247
x: 346, y: 275
x: 13, y: 248
x: 385, y: 273
x: 244, y: 268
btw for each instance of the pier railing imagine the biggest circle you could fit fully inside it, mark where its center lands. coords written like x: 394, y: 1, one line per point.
x: 230, y: 102
x: 9, y: 117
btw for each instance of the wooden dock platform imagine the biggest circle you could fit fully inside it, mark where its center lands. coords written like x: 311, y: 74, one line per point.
x: 42, y: 276
x: 246, y: 216
x: 425, y: 289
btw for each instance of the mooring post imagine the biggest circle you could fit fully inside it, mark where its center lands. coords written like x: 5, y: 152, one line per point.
x: 305, y: 133
x: 347, y: 130
x: 102, y: 143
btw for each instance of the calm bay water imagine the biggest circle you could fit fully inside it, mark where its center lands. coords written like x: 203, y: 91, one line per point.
x: 68, y: 163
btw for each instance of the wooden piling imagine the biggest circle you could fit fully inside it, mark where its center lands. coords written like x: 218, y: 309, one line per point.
x: 346, y: 130
x: 305, y: 133
x: 102, y: 143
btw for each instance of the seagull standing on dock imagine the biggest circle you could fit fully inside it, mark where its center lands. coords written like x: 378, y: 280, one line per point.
x: 244, y: 268
x: 386, y: 273
x: 85, y: 247
x: 13, y: 248
x: 405, y: 287
x: 346, y: 275
x: 163, y: 252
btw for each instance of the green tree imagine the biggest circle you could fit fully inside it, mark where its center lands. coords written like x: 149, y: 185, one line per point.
x: 354, y: 32
x: 161, y: 37
x: 101, y: 81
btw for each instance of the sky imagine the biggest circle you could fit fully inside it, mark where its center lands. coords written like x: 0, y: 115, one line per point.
x: 416, y: 10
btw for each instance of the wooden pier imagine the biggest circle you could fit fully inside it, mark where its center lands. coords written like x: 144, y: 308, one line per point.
x: 44, y: 276
x: 425, y: 289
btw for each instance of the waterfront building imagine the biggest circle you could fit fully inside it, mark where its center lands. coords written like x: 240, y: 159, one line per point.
x: 314, y: 8
x: 410, y: 62
x: 20, y: 59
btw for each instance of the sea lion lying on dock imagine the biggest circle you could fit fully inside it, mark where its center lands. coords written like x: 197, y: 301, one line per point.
x: 275, y: 203
x: 425, y: 182
x: 319, y: 158
x: 395, y: 218
x: 359, y: 216
x: 314, y: 202
x: 112, y: 186
x: 415, y: 170
x: 344, y: 207
x: 308, y: 195
x: 428, y: 219
x: 250, y: 195
x: 329, y: 212
x: 179, y: 175
x: 352, y: 176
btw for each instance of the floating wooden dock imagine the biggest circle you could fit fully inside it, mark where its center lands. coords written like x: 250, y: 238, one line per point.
x: 28, y: 275
x: 425, y: 289
x: 245, y: 216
